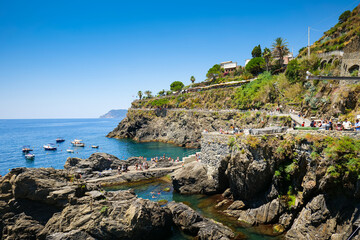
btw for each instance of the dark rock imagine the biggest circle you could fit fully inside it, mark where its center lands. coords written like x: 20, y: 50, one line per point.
x: 196, y: 225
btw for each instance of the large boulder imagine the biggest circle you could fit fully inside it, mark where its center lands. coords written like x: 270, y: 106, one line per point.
x: 193, y: 178
x: 120, y: 216
x: 196, y: 225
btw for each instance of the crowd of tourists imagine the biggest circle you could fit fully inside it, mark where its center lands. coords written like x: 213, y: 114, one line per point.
x: 330, y: 125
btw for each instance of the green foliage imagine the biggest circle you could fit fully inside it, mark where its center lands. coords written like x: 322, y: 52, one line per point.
x: 160, y: 102
x: 293, y: 71
x: 256, y: 52
x: 214, y: 71
x: 246, y: 95
x: 176, y: 86
x: 255, y: 65
x: 344, y: 16
x: 161, y: 93
x: 104, y: 209
x: 267, y: 57
x: 140, y: 94
x: 192, y: 79
x: 280, y: 49
x: 231, y: 142
x: 355, y: 73
x: 148, y: 94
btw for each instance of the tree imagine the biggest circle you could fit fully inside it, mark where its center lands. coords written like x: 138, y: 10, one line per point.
x: 161, y: 93
x: 214, y: 71
x: 267, y: 57
x: 148, y: 94
x: 140, y: 94
x: 192, y: 79
x: 256, y: 52
x: 344, y: 16
x: 176, y: 86
x: 293, y: 71
x: 255, y: 65
x: 280, y: 49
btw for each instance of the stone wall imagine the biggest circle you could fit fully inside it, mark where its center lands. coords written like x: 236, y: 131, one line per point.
x: 214, y: 147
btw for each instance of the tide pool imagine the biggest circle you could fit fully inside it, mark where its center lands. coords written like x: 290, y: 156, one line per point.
x: 14, y: 133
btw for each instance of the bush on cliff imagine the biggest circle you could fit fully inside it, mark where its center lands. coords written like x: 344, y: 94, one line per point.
x: 255, y: 65
x: 176, y: 86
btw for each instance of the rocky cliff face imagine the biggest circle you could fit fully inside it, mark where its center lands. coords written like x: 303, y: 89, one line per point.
x: 306, y: 185
x: 184, y: 128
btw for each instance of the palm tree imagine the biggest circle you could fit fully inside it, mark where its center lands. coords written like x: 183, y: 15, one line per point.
x: 148, y: 94
x: 267, y: 57
x: 192, y: 79
x: 140, y: 94
x: 280, y: 49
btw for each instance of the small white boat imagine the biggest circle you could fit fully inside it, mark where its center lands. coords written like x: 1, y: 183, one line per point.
x: 95, y: 146
x: 50, y: 146
x: 70, y: 151
x: 60, y: 140
x: 78, y: 143
x: 29, y: 156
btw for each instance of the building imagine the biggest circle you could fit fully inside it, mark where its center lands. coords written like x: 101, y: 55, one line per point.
x: 228, y: 66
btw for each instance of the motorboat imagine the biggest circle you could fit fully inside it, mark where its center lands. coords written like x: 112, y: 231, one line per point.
x: 70, y: 151
x: 95, y: 146
x: 29, y: 156
x: 78, y: 143
x: 60, y: 140
x: 26, y: 149
x: 50, y: 146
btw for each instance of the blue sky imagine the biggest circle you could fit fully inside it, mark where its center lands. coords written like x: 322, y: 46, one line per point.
x: 79, y: 59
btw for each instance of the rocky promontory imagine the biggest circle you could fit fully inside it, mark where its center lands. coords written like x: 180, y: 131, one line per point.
x: 54, y: 204
x: 184, y: 127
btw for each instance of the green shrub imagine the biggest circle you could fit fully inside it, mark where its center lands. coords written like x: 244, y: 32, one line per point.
x: 344, y: 16
x: 293, y: 71
x: 176, y: 86
x: 255, y: 65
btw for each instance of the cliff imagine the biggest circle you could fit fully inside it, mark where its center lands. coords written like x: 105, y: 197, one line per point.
x: 183, y: 127
x: 307, y: 185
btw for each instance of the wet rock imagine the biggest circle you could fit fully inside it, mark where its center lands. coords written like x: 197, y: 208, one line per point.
x: 196, y: 225
x: 227, y: 194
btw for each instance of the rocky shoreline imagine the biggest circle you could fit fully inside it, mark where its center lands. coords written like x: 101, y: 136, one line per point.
x: 45, y: 203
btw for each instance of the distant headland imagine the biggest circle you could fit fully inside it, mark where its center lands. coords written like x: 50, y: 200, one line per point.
x: 115, y: 113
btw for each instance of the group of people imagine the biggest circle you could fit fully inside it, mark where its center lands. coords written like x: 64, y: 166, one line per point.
x: 339, y: 126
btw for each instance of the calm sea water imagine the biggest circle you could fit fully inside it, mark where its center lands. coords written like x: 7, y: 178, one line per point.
x: 37, y: 132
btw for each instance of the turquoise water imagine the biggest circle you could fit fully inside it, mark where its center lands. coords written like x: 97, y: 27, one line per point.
x: 157, y: 190
x: 15, y: 133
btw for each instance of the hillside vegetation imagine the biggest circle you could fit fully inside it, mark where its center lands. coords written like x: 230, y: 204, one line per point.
x: 340, y: 35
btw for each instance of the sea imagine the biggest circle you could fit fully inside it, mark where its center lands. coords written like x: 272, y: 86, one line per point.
x: 15, y: 133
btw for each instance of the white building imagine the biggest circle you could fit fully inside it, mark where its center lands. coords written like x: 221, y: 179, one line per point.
x: 228, y: 66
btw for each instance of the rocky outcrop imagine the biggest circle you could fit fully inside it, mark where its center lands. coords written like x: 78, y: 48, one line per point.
x: 196, y: 225
x: 184, y: 128
x: 193, y: 178
x: 50, y: 204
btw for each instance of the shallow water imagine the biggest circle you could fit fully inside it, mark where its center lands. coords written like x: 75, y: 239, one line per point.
x: 15, y: 133
x: 154, y: 191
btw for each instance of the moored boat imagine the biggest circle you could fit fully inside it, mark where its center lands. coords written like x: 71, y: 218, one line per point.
x: 60, y: 140
x: 50, y: 146
x: 29, y: 156
x: 78, y: 143
x: 26, y: 149
x: 70, y: 150
x: 95, y: 146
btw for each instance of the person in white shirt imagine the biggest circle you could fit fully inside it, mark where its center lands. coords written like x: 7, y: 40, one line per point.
x: 347, y: 125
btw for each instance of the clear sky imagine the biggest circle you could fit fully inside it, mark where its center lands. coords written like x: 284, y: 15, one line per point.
x: 78, y: 59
